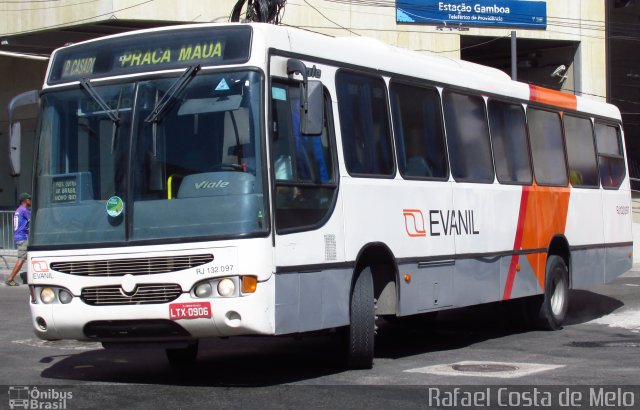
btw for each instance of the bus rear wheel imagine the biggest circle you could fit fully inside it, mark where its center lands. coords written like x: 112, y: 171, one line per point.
x: 361, y: 331
x: 552, y: 308
x: 183, y: 356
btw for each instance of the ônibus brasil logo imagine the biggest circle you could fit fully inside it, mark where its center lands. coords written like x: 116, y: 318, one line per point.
x: 25, y: 397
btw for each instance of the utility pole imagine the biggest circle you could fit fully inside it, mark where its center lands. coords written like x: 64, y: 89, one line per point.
x: 514, y: 57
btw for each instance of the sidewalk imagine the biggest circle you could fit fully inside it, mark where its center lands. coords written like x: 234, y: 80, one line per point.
x: 5, y: 271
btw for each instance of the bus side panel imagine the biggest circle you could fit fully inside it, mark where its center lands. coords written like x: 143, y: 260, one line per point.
x: 585, y: 234
x: 476, y: 281
x: 619, y: 260
x: 616, y: 211
x: 430, y: 288
x: 307, y: 301
x: 517, y: 277
x: 494, y: 228
x: 587, y: 267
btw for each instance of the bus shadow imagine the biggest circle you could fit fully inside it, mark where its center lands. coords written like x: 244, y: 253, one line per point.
x: 253, y: 361
x: 240, y: 361
x: 586, y: 306
x: 463, y: 327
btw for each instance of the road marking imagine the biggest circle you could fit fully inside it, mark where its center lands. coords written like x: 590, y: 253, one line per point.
x: 521, y: 369
x: 59, y: 344
x: 627, y: 319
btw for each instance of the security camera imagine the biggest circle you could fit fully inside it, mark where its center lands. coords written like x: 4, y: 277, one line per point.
x: 559, y: 72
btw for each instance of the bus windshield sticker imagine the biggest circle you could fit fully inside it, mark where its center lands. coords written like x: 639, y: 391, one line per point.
x: 278, y: 93
x: 64, y: 189
x: 115, y: 206
x: 222, y: 85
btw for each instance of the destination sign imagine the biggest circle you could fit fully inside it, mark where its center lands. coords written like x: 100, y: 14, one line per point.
x: 152, y: 51
x: 200, y: 51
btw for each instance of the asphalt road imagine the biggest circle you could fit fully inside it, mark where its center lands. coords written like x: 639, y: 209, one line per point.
x: 467, y: 348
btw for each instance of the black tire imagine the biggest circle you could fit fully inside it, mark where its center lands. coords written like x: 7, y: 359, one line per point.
x: 553, y: 305
x: 361, y: 331
x: 183, y: 356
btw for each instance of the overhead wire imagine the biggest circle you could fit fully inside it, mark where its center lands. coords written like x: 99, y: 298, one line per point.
x: 51, y: 7
x: 327, y: 18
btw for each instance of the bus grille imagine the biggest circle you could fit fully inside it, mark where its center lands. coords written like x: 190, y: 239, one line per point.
x: 145, y: 294
x: 138, y: 266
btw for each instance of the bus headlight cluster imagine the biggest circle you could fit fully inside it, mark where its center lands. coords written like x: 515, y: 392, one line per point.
x: 225, y: 287
x: 51, y: 294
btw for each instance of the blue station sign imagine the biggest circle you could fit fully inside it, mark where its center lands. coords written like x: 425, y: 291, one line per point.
x: 497, y: 13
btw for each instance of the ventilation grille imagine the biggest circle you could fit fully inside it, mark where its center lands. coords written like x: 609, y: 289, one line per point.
x: 139, y: 266
x: 144, y: 295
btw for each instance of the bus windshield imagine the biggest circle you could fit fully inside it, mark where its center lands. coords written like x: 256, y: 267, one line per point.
x: 150, y: 162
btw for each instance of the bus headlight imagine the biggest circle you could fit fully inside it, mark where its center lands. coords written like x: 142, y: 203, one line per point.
x: 226, y: 287
x: 47, y: 295
x: 64, y: 296
x: 204, y: 290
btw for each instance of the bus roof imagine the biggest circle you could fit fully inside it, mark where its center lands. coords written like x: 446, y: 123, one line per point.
x: 372, y: 54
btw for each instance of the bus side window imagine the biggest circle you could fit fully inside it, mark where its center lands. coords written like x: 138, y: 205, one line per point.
x: 509, y: 138
x: 468, y: 137
x: 417, y: 119
x: 547, y: 147
x: 364, y: 122
x: 610, y: 156
x: 581, y: 151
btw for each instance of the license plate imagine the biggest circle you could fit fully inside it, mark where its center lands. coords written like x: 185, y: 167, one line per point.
x: 193, y: 310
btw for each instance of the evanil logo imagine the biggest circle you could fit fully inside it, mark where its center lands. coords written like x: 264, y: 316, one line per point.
x: 211, y: 184
x: 440, y: 222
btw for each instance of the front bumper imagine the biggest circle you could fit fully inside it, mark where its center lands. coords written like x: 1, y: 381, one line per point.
x: 251, y: 314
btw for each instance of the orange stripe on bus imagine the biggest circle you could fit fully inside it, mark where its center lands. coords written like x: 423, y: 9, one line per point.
x: 552, y: 97
x: 517, y: 244
x: 543, y: 214
x: 547, y: 209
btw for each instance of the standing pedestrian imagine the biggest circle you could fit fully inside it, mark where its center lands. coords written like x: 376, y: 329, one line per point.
x: 21, y: 220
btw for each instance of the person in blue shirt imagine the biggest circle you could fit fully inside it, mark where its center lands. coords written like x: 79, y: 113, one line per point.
x: 21, y: 219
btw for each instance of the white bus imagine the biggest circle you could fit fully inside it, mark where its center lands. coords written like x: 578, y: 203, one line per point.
x: 249, y: 179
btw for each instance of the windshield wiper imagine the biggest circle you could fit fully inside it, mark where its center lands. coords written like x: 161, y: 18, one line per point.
x: 167, y: 100
x: 113, y: 114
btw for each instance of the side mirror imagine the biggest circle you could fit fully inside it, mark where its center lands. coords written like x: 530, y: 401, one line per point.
x: 14, y: 149
x: 311, y: 100
x: 15, y: 137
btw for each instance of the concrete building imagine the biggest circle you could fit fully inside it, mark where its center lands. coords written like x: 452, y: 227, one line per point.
x: 591, y: 38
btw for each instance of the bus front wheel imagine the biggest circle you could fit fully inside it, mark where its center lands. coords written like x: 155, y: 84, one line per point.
x: 361, y: 331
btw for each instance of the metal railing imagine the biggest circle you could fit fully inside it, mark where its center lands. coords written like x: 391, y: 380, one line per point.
x: 6, y: 230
